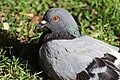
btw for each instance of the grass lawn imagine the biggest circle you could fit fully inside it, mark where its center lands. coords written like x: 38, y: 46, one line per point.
x: 18, y: 39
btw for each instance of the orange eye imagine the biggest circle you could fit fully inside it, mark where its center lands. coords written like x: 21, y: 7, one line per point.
x: 55, y: 18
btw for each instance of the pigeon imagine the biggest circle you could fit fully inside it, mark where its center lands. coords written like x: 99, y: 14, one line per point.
x: 66, y: 54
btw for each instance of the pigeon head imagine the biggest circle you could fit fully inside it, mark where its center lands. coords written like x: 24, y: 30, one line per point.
x: 60, y: 24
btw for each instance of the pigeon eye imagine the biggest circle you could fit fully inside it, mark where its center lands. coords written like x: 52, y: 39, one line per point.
x: 55, y: 18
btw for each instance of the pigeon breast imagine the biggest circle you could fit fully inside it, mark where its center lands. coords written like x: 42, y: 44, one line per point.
x: 67, y: 58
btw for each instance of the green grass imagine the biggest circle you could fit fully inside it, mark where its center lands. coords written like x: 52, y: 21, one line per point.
x: 97, y: 18
x: 14, y: 68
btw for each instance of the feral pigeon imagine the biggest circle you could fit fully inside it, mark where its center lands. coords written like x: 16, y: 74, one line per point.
x: 66, y: 54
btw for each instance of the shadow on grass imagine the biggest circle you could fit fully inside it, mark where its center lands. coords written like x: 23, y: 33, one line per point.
x: 25, y: 51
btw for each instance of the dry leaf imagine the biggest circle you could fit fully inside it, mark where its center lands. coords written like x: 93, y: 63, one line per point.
x: 3, y: 18
x: 27, y: 14
x: 30, y: 15
x: 92, y: 27
x: 36, y: 18
x: 23, y: 39
x: 6, y: 26
x: 106, y: 39
x: 94, y: 11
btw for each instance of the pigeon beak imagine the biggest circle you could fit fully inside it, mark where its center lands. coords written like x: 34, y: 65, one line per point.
x: 41, y: 24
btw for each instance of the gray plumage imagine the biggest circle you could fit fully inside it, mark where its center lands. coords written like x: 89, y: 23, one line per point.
x: 65, y: 54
